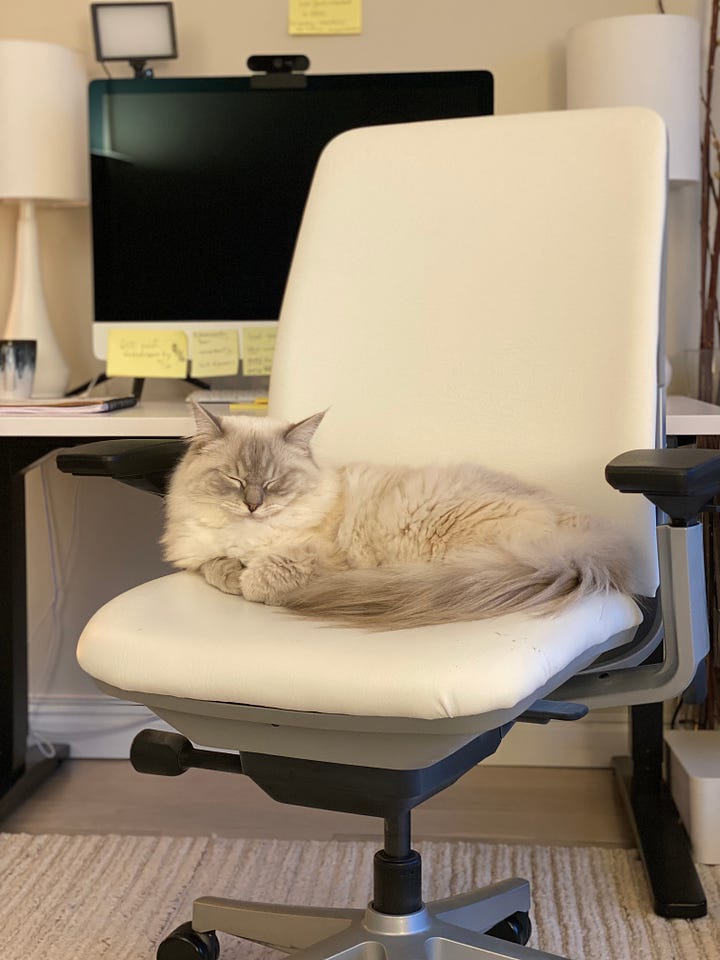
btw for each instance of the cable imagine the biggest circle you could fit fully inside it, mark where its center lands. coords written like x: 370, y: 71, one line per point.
x: 58, y: 565
x: 60, y: 568
x: 676, y: 712
x: 44, y: 746
x: 57, y: 585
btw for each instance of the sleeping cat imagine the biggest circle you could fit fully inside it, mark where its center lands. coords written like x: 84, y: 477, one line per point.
x: 377, y: 546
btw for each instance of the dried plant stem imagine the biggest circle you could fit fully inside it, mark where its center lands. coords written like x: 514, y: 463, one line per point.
x: 709, y: 252
x: 709, y: 713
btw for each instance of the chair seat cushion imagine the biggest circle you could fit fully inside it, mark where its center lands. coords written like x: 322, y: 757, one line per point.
x: 180, y: 637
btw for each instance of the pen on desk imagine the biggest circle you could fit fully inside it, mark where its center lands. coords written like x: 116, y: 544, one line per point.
x: 250, y: 405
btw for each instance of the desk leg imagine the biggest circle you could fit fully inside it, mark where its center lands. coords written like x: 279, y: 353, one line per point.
x: 21, y: 770
x: 660, y: 835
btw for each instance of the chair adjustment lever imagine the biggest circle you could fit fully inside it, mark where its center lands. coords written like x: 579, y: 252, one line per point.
x: 170, y: 754
x: 543, y: 711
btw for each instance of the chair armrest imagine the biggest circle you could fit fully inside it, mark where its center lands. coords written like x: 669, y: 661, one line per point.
x: 143, y: 463
x: 680, y: 481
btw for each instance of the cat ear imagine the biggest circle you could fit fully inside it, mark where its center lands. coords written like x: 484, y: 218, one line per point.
x: 207, y: 426
x: 300, y: 434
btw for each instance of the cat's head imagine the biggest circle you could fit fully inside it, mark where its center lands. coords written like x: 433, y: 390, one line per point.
x: 253, y: 466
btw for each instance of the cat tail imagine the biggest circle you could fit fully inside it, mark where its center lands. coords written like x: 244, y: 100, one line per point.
x: 475, y: 584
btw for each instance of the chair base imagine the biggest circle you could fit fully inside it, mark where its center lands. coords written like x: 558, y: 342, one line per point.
x: 455, y: 928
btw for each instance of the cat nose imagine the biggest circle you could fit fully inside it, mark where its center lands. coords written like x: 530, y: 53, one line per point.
x: 253, y: 497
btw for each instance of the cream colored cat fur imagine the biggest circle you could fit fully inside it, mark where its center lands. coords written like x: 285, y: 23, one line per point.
x: 378, y: 546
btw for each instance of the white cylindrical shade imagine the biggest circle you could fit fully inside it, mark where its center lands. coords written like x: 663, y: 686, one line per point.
x: 649, y: 60
x: 43, y: 122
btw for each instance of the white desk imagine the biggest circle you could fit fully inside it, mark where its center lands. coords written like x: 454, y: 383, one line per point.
x: 23, y: 441
x: 162, y: 418
x: 171, y: 418
x: 686, y: 417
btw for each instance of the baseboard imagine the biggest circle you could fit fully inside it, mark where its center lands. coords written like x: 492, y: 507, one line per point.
x: 590, y: 742
x: 98, y: 727
x: 94, y: 726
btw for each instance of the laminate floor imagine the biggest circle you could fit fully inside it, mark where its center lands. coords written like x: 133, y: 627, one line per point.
x: 509, y: 804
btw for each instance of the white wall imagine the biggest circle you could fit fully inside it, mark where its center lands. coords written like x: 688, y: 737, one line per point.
x: 105, y: 536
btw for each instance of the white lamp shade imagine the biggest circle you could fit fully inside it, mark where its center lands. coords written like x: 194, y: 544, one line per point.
x: 43, y: 122
x: 648, y: 60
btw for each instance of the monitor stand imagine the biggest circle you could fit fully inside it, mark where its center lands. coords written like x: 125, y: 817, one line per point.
x: 137, y: 385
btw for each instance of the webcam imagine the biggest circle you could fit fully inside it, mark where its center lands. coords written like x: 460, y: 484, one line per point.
x: 278, y: 63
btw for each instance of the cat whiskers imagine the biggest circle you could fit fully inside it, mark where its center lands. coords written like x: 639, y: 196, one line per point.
x: 237, y: 509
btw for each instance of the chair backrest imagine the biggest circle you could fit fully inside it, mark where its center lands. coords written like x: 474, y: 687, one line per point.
x: 485, y: 289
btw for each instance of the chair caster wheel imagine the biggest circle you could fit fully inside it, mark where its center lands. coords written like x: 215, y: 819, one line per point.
x: 514, y: 929
x: 184, y: 943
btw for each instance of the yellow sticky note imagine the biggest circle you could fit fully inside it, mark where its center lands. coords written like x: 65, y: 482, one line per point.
x: 147, y: 353
x: 214, y: 353
x: 338, y: 17
x: 258, y: 346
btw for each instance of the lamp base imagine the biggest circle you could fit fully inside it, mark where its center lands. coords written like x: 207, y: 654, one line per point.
x: 28, y: 318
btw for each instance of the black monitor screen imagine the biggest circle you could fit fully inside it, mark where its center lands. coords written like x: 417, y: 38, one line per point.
x: 198, y: 185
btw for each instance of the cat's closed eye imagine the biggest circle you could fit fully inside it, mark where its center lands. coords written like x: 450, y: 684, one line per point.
x: 232, y: 479
x: 242, y: 482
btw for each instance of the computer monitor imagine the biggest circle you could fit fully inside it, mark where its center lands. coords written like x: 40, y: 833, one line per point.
x: 198, y: 185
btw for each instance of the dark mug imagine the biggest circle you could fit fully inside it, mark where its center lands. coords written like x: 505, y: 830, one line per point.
x: 17, y: 368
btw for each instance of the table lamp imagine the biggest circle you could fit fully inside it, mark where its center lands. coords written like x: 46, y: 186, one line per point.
x: 43, y: 160
x: 645, y: 60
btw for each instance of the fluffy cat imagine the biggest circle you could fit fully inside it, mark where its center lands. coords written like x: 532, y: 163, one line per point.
x: 384, y: 547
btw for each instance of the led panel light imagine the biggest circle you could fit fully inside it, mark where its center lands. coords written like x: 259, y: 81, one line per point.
x: 134, y: 31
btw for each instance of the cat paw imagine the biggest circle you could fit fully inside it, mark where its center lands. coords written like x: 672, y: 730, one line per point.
x: 224, y: 573
x: 270, y: 579
x: 257, y: 586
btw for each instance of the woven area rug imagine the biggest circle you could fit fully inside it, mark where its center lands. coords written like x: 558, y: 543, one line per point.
x: 84, y: 897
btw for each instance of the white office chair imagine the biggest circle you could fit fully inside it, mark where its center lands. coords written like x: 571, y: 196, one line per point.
x: 482, y: 289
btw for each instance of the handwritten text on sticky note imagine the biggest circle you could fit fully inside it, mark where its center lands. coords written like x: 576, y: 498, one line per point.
x: 214, y: 353
x: 147, y: 353
x: 258, y: 346
x: 339, y: 17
